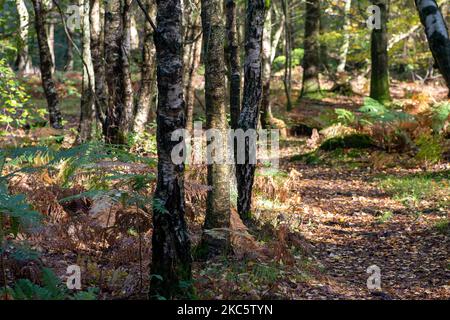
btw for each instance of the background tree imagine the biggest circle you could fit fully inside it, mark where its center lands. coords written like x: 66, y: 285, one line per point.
x: 251, y: 100
x: 343, y: 51
x: 23, y: 61
x: 218, y: 199
x: 97, y: 21
x: 233, y: 62
x: 311, y: 59
x: 269, y: 46
x: 287, y: 80
x: 193, y: 43
x: 148, y: 75
x: 119, y: 112
x: 379, y: 79
x: 87, y: 107
x: 46, y: 66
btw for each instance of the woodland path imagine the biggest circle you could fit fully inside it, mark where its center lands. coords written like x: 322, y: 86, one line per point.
x: 343, y: 226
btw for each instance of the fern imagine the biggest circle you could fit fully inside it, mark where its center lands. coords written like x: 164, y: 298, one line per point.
x: 52, y: 289
x: 441, y: 114
x: 373, y: 111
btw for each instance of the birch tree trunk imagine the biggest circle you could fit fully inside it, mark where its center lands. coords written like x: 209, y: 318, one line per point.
x: 437, y: 35
x: 46, y: 66
x: 119, y: 112
x: 266, y: 109
x: 251, y: 100
x: 311, y: 59
x: 50, y: 26
x: 148, y: 75
x: 218, y: 199
x: 345, y: 45
x: 98, y: 59
x: 171, y: 258
x: 23, y: 58
x: 379, y: 79
x: 68, y: 65
x: 232, y: 54
x: 287, y: 79
x: 87, y: 107
x: 192, y: 59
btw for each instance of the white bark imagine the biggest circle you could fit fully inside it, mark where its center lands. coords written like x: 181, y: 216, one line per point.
x: 344, y: 49
x: 23, y: 59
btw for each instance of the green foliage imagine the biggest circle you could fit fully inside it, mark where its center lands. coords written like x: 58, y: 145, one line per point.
x: 443, y: 226
x: 52, y: 289
x: 441, y: 114
x: 13, y: 98
x: 430, y: 148
x: 297, y: 56
x: 385, y: 217
x: 373, y: 111
x: 345, y: 117
x: 308, y: 158
x: 412, y: 189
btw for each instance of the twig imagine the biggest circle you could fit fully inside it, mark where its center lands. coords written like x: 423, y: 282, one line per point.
x: 147, y: 16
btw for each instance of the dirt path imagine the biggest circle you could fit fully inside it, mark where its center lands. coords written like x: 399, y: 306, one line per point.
x: 348, y: 236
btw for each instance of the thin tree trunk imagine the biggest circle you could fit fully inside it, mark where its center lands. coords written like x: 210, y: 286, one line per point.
x: 276, y: 37
x: 171, y: 258
x: 234, y: 67
x: 266, y: 109
x: 379, y: 80
x: 119, y: 113
x: 148, y: 75
x: 311, y: 59
x: 287, y: 79
x: 68, y: 66
x: 98, y: 59
x: 192, y: 60
x: 251, y: 100
x: 48, y: 5
x: 46, y: 66
x: 218, y: 200
x: 437, y: 35
x: 23, y: 58
x: 87, y: 115
x: 343, y: 51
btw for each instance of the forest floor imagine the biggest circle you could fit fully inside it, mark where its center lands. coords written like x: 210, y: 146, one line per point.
x: 320, y: 222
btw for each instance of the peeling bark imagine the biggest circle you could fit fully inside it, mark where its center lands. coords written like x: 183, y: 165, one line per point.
x: 171, y: 259
x: 46, y: 66
x: 251, y: 100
